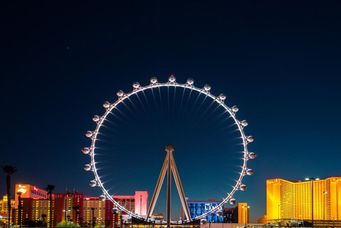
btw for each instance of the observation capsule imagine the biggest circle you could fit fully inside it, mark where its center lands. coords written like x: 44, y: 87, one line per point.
x: 87, y: 167
x: 232, y: 201
x: 120, y: 93
x: 85, y: 150
x: 252, y: 155
x: 244, y: 123
x: 153, y: 80
x: 250, y: 139
x: 89, y: 134
x: 242, y: 187
x: 136, y: 85
x: 207, y: 88
x: 235, y: 109
x: 96, y: 118
x: 249, y: 172
x: 115, y: 210
x: 93, y: 183
x: 190, y: 82
x: 171, y: 78
x: 222, y: 97
x: 106, y: 104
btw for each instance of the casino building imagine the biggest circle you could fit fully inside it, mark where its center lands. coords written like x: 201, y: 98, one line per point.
x: 71, y: 206
x: 310, y: 200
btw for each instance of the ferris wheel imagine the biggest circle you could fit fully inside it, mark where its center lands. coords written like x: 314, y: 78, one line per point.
x: 219, y: 100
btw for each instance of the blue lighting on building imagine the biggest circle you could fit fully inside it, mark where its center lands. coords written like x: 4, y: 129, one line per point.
x: 197, y: 208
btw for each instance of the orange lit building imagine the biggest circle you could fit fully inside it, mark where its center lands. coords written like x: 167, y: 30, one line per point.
x: 29, y: 191
x: 243, y: 213
x: 3, y: 208
x: 304, y: 200
x: 65, y: 206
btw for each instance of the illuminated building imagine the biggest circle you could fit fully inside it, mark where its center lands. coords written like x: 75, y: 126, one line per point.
x: 199, y: 207
x: 68, y: 207
x: 29, y: 191
x: 71, y: 206
x: 141, y: 202
x: 309, y: 200
x: 137, y: 203
x: 243, y: 213
x: 94, y: 210
x: 33, y: 210
x: 4, y: 209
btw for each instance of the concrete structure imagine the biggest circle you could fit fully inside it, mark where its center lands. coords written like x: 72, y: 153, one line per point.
x: 307, y: 200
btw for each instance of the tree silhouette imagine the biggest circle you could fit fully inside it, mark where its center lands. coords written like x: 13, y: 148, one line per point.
x: 9, y: 170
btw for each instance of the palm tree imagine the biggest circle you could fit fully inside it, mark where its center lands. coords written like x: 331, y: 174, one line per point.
x: 49, y: 190
x: 8, y: 170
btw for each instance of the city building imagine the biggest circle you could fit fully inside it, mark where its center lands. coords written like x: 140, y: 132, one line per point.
x: 32, y: 211
x: 243, y: 213
x: 309, y: 200
x: 4, y: 209
x: 68, y: 206
x: 198, y: 207
x: 231, y: 214
x: 94, y: 211
x: 103, y: 211
x: 29, y: 191
x: 137, y: 203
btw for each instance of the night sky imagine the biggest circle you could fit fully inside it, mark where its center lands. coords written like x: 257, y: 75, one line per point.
x: 279, y: 61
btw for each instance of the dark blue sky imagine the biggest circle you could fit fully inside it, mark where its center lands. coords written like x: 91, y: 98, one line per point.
x: 279, y: 61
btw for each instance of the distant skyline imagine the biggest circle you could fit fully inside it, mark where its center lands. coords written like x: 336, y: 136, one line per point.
x: 278, y: 61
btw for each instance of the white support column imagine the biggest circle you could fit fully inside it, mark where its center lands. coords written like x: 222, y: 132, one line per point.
x: 170, y: 167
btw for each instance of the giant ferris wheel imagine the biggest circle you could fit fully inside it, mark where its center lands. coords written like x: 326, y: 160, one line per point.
x: 154, y: 85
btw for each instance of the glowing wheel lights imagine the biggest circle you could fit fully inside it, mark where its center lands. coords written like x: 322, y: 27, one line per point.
x: 155, y: 84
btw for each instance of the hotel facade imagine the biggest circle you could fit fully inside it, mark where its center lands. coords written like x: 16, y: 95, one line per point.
x: 308, y: 200
x: 71, y: 206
